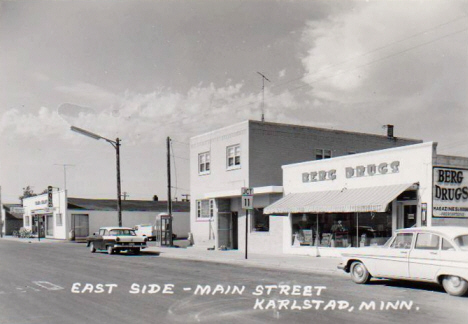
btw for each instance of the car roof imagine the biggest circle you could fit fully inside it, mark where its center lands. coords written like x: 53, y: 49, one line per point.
x: 116, y: 227
x: 451, y: 231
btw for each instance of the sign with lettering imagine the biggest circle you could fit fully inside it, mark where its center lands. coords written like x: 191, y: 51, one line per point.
x: 247, y: 198
x: 368, y: 170
x: 450, y: 192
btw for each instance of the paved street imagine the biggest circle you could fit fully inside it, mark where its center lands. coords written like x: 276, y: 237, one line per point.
x: 46, y: 283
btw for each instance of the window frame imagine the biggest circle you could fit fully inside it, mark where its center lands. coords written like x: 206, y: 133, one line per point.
x: 427, y: 248
x: 320, y: 154
x: 200, y: 216
x: 207, y: 162
x: 237, y: 157
x: 402, y: 248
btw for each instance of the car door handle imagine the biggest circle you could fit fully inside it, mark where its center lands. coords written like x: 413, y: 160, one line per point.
x: 403, y: 252
x: 435, y: 253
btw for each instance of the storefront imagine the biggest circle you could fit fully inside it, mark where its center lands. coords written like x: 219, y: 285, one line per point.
x: 45, y: 214
x: 355, y: 200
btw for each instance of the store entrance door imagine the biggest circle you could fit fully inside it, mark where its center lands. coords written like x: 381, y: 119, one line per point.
x: 80, y: 225
x: 49, y: 225
x: 225, y: 230
x: 407, y: 214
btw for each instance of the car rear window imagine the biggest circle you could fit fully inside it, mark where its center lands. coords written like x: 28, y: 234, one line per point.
x: 462, y: 242
x: 116, y: 232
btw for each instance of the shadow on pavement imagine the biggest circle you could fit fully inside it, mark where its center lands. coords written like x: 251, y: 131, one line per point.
x: 408, y: 285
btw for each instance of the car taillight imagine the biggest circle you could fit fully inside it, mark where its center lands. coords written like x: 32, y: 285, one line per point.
x: 117, y: 239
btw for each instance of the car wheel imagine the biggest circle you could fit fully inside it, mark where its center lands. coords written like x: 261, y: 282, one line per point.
x: 110, y: 250
x: 92, y: 248
x: 359, y: 273
x: 454, y: 285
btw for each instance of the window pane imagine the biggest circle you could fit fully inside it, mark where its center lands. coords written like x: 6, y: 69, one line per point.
x: 447, y: 246
x: 237, y: 150
x: 237, y: 160
x: 207, y: 166
x: 202, y: 167
x: 230, y: 151
x: 402, y: 241
x: 230, y: 161
x: 426, y: 241
x: 327, y: 154
x: 207, y: 157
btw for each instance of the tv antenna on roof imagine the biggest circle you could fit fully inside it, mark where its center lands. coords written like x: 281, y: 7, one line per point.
x: 263, y: 95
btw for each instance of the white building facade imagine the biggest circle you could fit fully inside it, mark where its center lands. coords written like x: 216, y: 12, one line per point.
x: 361, y: 199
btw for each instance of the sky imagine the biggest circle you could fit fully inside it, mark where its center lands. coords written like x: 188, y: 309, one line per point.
x: 147, y: 70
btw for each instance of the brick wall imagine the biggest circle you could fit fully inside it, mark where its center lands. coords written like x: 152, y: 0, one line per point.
x: 273, y: 145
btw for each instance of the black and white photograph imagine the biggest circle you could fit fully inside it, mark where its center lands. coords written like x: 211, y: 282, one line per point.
x: 233, y: 161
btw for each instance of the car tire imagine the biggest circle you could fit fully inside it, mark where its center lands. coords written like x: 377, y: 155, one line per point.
x: 91, y: 247
x: 359, y: 273
x: 454, y: 285
x: 110, y: 250
x: 136, y: 251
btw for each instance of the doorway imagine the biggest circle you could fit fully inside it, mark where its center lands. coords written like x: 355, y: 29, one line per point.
x: 80, y: 224
x: 49, y: 225
x: 225, y: 229
x: 407, y: 214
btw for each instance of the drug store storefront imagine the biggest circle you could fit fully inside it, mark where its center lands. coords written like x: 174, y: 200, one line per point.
x: 356, y: 200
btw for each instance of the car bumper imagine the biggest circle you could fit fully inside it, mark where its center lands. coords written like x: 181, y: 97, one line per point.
x: 341, y: 266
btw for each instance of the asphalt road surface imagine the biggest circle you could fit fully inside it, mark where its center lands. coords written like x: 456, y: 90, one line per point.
x: 65, y: 283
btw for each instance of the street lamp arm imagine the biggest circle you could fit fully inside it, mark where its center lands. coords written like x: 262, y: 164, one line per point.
x: 91, y: 134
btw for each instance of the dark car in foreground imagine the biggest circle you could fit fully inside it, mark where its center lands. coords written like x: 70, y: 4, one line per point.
x: 116, y: 239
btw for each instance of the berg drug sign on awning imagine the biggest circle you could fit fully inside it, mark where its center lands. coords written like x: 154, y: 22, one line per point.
x: 450, y: 192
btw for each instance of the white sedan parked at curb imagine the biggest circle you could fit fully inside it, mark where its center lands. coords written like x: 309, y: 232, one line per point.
x: 436, y: 254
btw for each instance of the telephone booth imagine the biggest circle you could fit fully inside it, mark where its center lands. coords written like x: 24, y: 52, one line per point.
x: 164, y: 230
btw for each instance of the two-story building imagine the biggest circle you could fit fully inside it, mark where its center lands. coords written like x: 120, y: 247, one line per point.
x: 250, y: 154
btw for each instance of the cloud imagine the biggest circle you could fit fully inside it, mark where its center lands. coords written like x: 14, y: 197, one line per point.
x: 148, y: 117
x: 390, y: 62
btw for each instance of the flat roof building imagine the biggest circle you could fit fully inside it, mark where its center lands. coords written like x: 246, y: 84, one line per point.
x: 250, y: 154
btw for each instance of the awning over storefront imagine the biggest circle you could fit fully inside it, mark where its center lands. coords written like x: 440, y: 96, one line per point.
x: 372, y: 199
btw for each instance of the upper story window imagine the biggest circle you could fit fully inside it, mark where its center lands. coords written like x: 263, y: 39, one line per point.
x: 204, y: 166
x: 233, y: 156
x: 321, y: 154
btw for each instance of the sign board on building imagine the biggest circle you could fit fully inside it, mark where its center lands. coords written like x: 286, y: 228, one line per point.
x: 450, y: 192
x: 17, y: 210
x: 49, y: 197
x: 247, y: 198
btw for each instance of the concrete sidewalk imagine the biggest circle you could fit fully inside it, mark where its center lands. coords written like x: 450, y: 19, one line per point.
x: 32, y: 240
x: 308, y: 264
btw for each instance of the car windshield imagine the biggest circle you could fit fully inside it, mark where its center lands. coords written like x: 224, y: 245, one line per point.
x: 462, y: 242
x: 116, y: 232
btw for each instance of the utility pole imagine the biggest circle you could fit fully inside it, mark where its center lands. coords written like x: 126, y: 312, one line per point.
x: 115, y: 144
x: 65, y: 174
x: 263, y: 95
x: 169, y: 199
x: 119, y: 194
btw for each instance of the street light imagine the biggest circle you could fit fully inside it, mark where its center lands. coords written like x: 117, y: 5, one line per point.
x: 116, y: 145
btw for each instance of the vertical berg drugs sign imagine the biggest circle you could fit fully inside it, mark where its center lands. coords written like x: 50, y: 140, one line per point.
x: 450, y: 192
